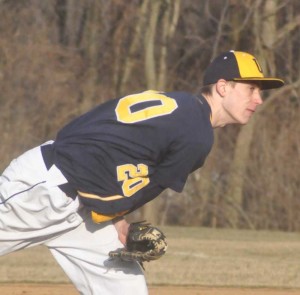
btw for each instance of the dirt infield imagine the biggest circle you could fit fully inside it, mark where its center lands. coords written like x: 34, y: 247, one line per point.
x: 39, y: 289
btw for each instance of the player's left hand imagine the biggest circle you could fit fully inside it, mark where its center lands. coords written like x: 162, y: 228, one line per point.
x: 144, y: 243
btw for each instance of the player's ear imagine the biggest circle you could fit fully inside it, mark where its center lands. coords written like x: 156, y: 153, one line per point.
x: 221, y: 87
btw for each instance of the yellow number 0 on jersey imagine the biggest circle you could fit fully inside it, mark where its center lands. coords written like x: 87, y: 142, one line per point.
x: 125, y: 115
x: 135, y: 177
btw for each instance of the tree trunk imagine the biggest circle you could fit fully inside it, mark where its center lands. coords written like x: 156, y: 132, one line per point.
x: 131, y: 59
x: 157, y: 79
x: 266, y: 33
x: 170, y: 20
x: 92, y: 45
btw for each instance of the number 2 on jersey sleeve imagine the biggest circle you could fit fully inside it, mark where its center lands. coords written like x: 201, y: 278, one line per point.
x: 165, y: 106
x: 134, y: 178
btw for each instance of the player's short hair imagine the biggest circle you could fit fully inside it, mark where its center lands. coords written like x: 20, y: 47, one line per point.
x: 206, y: 90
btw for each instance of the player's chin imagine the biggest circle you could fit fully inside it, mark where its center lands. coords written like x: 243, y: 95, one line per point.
x: 241, y: 118
x: 244, y: 120
x: 246, y: 117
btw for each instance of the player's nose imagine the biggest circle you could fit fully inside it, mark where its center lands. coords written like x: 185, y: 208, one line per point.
x: 257, y: 97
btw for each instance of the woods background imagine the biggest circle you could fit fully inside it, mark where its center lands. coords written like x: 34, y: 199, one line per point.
x: 59, y: 58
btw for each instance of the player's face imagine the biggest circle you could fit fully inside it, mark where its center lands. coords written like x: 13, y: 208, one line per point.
x: 241, y: 101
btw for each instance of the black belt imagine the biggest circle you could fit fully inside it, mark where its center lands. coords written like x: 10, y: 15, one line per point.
x: 47, y: 153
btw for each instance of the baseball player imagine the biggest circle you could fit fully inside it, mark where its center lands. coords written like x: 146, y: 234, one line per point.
x: 71, y: 194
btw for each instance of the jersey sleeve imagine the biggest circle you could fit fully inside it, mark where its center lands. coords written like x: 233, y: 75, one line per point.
x: 171, y: 173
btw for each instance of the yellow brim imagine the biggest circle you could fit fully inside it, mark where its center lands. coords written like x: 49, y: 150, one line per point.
x: 266, y: 83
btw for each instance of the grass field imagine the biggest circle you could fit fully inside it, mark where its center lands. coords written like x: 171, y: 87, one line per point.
x: 196, y: 257
x: 210, y: 257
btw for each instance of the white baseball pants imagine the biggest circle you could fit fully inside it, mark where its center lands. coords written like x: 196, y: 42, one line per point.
x: 33, y: 211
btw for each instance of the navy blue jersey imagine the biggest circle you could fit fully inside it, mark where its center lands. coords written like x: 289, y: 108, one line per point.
x: 125, y: 152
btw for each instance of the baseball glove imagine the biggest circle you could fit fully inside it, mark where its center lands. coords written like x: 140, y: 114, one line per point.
x: 144, y: 243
